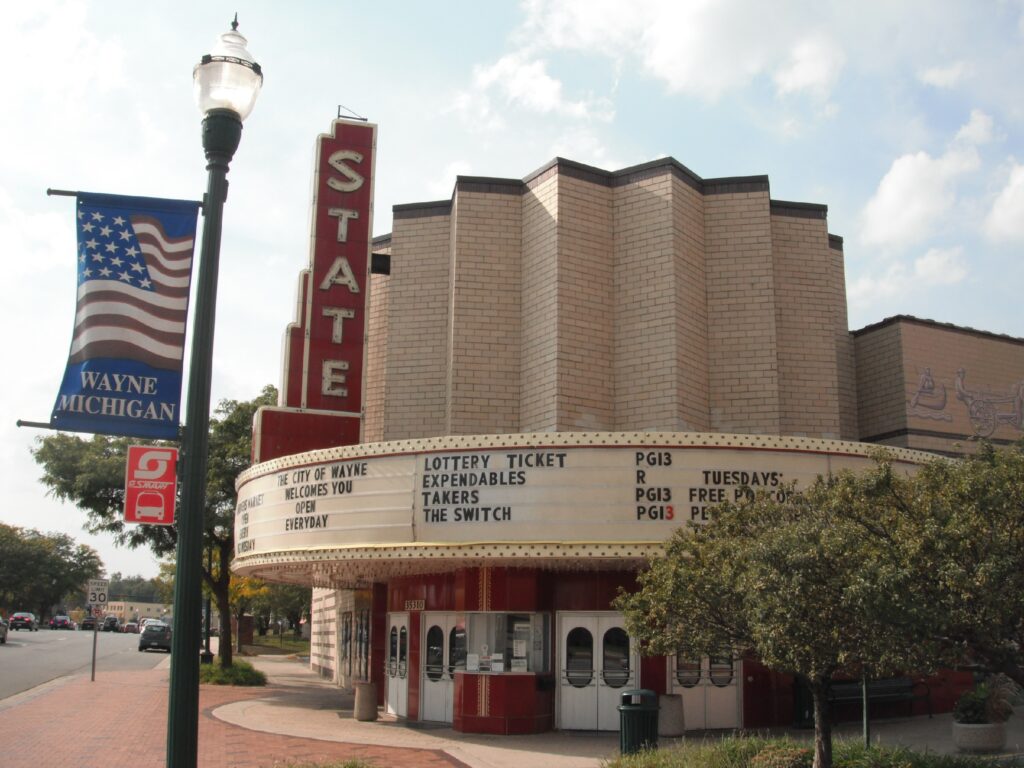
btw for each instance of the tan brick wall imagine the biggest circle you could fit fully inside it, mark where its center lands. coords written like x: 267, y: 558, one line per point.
x: 644, y: 292
x: 845, y: 362
x: 992, y: 385
x: 485, y: 328
x: 414, y: 390
x: 539, y: 378
x: 743, y: 359
x: 379, y: 301
x: 693, y: 394
x: 881, y: 408
x: 805, y: 326
x: 585, y: 306
x: 584, y: 301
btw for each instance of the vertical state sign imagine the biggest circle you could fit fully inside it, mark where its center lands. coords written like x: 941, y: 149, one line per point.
x: 325, y: 351
x: 150, y: 484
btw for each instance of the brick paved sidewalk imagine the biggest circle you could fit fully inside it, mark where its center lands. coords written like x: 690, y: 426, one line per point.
x: 121, y: 720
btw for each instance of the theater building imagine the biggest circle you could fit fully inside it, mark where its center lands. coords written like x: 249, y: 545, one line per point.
x: 559, y: 372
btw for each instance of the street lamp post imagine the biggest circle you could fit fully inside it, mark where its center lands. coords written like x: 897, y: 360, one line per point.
x: 227, y: 81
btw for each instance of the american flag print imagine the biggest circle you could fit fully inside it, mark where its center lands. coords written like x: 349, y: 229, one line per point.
x: 133, y: 284
x: 134, y: 265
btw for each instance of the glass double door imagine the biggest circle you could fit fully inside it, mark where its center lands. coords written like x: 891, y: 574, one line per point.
x: 444, y: 652
x: 597, y: 662
x: 710, y: 690
x: 397, y: 668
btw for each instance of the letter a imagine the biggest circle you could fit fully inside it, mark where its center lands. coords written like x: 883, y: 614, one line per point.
x: 340, y: 273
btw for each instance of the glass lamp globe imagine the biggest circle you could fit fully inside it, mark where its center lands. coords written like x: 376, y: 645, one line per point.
x: 227, y: 77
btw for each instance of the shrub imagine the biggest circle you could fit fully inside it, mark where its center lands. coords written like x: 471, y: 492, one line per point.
x: 239, y: 673
x: 783, y: 755
x: 990, y: 701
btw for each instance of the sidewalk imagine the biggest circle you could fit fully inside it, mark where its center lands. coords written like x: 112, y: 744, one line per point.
x: 120, y: 719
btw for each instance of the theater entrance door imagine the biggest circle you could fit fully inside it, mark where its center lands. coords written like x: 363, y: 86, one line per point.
x: 597, y: 661
x: 397, y: 667
x: 444, y: 653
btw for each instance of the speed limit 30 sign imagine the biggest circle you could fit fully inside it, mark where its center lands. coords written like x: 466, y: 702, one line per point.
x: 97, y: 592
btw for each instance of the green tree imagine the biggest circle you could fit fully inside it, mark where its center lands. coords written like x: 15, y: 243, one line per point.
x: 793, y: 582
x: 90, y: 474
x: 880, y: 571
x: 137, y: 588
x: 42, y: 570
x: 955, y: 533
x: 288, y: 602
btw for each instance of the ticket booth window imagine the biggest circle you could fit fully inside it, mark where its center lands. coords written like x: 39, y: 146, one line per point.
x: 508, y: 642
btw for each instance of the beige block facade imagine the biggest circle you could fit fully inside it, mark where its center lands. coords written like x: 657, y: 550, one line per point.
x: 939, y: 387
x: 577, y: 299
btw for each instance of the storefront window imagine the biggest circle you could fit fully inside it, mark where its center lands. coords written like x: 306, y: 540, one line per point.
x: 433, y: 664
x: 579, y: 657
x: 507, y: 642
x: 615, y: 670
x: 687, y: 671
x: 456, y: 649
x: 720, y: 670
x: 363, y: 645
x: 346, y: 643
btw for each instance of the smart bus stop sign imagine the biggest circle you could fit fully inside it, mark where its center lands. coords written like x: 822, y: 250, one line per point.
x: 149, y: 485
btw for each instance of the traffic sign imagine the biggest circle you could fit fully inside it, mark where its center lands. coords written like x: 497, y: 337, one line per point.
x: 97, y: 593
x: 150, y: 482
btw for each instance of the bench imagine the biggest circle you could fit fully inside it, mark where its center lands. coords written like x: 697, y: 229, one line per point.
x: 888, y: 689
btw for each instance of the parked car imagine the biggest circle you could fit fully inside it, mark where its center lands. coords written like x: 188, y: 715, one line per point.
x: 89, y: 622
x: 61, y: 622
x: 155, y: 635
x: 111, y: 624
x: 24, y: 620
x: 3, y: 631
x: 130, y: 626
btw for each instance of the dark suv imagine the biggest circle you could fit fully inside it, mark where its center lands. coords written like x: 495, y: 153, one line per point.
x: 155, y: 635
x: 111, y: 624
x: 24, y: 620
x: 89, y: 622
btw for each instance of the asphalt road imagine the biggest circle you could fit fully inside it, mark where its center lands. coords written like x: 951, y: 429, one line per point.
x: 29, y: 659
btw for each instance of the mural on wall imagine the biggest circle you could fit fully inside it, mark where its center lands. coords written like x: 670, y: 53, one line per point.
x: 986, y: 410
x: 928, y: 403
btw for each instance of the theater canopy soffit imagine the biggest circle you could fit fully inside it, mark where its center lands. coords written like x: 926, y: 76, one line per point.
x: 352, y: 515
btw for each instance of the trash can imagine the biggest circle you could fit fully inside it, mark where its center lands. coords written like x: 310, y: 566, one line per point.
x: 638, y: 721
x: 365, y: 706
x: 670, y: 715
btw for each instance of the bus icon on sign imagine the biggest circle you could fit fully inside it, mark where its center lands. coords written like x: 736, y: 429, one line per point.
x: 149, y: 506
x: 150, y: 484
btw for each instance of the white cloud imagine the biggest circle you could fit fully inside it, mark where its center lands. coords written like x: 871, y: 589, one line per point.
x: 914, y: 195
x: 704, y: 48
x: 583, y: 146
x: 944, y: 77
x: 1006, y: 219
x: 442, y: 187
x: 918, y: 190
x: 978, y: 129
x: 938, y: 266
x: 525, y: 82
x: 813, y: 65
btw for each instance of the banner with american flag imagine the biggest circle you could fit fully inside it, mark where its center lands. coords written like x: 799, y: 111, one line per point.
x: 123, y: 375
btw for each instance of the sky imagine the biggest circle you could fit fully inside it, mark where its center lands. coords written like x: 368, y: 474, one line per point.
x: 905, y: 118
